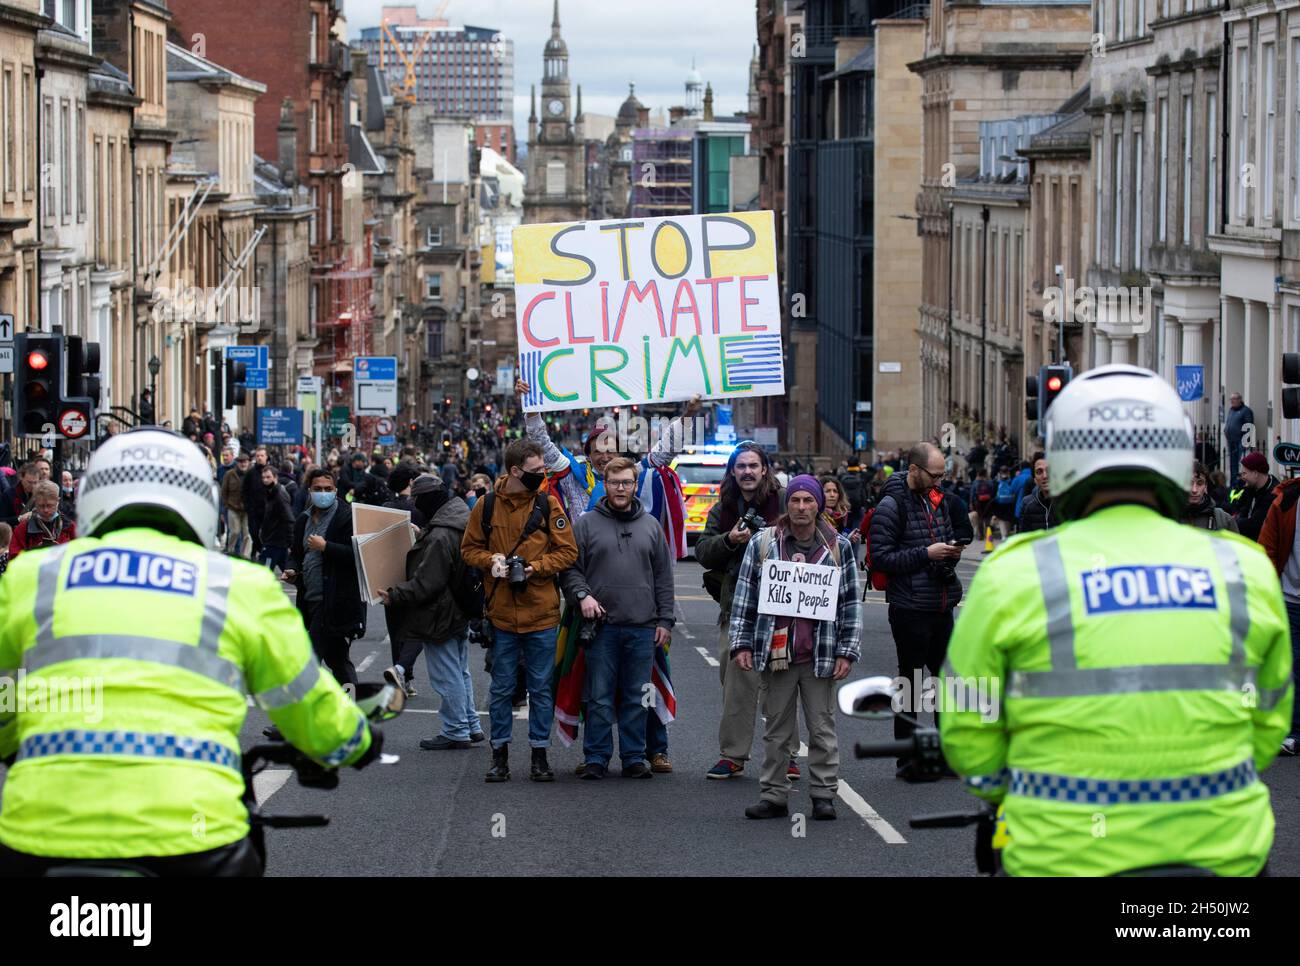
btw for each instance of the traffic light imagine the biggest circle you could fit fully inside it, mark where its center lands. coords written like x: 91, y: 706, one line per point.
x: 488, y: 409
x: 83, y: 369
x: 38, y: 385
x: 1290, y: 391
x: 414, y: 427
x: 1052, y: 380
x: 1031, y: 398
x: 236, y: 393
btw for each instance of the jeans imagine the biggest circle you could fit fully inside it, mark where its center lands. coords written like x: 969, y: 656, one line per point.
x: 448, y: 665
x: 1293, y: 618
x: 538, y: 652
x: 619, y: 662
x: 237, y: 536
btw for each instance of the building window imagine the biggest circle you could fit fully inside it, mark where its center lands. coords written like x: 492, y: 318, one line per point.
x: 100, y: 211
x: 1162, y: 193
x: 314, y: 41
x: 315, y: 216
x: 1242, y: 116
x: 555, y: 178
x: 1117, y: 209
x: 80, y: 148
x: 433, y: 288
x: 313, y: 128
x: 1187, y: 170
x: 29, y: 165
x: 433, y: 236
x: 1121, y: 18
x: 1212, y: 160
x: 65, y: 130
x: 10, y: 131
x: 1269, y: 113
x: 1138, y: 198
x: 1098, y: 188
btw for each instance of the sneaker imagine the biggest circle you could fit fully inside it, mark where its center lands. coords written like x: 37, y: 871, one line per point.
x: 394, y: 677
x: 477, y: 736
x: 1289, y: 746
x: 725, y: 768
x: 660, y: 765
x: 443, y: 743
x: 582, y: 766
x: 638, y: 769
x: 823, y: 810
x: 792, y: 771
x: 592, y: 772
x: 410, y: 688
x: 766, y: 809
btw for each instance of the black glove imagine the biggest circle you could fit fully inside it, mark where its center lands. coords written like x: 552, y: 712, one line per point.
x: 372, y: 753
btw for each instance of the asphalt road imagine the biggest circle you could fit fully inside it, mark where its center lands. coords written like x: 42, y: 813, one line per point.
x: 431, y: 813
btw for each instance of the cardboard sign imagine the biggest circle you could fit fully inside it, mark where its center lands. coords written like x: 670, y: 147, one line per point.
x: 799, y: 590
x: 381, y: 559
x: 376, y: 519
x: 650, y: 310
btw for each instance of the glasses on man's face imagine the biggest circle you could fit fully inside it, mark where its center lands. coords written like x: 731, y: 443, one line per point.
x: 929, y: 475
x: 620, y: 484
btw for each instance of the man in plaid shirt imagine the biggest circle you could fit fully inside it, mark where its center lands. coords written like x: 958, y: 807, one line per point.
x: 798, y: 658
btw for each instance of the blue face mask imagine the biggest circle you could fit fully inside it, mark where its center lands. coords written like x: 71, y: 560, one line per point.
x: 323, y: 500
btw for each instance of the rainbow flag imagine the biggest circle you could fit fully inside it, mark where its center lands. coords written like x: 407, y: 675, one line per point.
x: 570, y: 675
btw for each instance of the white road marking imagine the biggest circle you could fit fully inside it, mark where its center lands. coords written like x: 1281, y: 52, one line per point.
x: 370, y: 659
x: 681, y: 623
x: 267, y: 783
x: 481, y: 714
x: 869, y: 815
x: 704, y: 653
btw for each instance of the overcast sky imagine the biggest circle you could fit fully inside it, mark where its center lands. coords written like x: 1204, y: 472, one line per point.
x: 610, y: 43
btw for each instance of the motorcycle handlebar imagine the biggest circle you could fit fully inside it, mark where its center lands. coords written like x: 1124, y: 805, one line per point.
x: 292, y: 821
x: 899, y: 748
x: 946, y: 820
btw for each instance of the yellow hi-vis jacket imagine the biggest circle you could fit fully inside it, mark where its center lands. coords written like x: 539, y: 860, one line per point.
x: 1144, y: 672
x: 128, y: 660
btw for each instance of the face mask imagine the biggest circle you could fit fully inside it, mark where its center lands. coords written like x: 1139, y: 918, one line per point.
x: 50, y: 519
x: 531, y: 481
x: 323, y: 499
x: 68, y: 490
x: 480, y: 490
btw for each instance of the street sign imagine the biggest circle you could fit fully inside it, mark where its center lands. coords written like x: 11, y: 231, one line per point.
x: 1288, y: 454
x: 308, y: 385
x: 374, y: 381
x: 279, y: 427
x: 339, y: 420
x: 6, y: 358
x: 862, y: 406
x: 387, y: 440
x: 859, y: 440
x: 385, y: 427
x: 73, y: 423
x: 253, y: 356
x: 257, y: 379
x: 891, y: 367
x: 767, y: 437
x: 1190, y: 381
x: 6, y: 329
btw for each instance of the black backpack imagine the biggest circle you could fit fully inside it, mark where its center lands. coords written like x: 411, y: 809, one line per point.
x: 854, y: 489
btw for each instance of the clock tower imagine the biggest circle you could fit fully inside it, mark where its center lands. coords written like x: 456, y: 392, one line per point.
x: 556, y: 189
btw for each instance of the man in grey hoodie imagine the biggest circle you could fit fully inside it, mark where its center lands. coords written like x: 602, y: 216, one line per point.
x: 624, y: 579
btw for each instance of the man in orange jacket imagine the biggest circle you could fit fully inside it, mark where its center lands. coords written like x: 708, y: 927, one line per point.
x: 529, y: 530
x: 1277, y: 537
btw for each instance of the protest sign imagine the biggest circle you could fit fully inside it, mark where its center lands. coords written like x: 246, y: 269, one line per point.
x: 791, y: 589
x: 375, y: 519
x: 649, y: 310
x: 381, y: 559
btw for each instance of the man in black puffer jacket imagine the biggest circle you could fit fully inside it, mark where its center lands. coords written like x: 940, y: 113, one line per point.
x: 1038, y: 512
x: 911, y: 535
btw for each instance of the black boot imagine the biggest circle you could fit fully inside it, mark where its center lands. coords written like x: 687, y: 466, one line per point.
x: 500, y: 770
x: 541, y: 770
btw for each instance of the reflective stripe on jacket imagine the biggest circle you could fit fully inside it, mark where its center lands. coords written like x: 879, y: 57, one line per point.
x: 135, y: 654
x: 1142, y: 672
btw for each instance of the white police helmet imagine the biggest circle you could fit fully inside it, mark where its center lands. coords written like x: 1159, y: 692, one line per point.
x: 1118, y: 425
x: 148, y: 477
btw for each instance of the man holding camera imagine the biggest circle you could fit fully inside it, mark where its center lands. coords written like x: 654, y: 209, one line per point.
x: 623, y: 583
x: 521, y: 541
x: 912, y: 541
x: 749, y: 500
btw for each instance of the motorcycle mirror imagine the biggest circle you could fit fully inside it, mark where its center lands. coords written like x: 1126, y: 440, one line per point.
x: 869, y: 698
x: 380, y: 702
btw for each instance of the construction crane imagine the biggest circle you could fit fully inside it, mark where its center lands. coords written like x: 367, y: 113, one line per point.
x: 387, y: 41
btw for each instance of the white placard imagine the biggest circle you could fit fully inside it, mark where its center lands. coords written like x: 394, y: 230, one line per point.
x: 792, y: 589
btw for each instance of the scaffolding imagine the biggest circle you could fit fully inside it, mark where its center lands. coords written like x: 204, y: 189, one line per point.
x: 661, y: 173
x: 346, y: 326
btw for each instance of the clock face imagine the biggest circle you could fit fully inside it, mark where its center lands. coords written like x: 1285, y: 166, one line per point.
x: 556, y: 108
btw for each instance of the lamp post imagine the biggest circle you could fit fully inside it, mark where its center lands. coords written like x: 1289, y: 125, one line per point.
x: 154, y: 365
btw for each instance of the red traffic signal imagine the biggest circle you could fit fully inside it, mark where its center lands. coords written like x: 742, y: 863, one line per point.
x: 37, y: 360
x: 1054, y: 384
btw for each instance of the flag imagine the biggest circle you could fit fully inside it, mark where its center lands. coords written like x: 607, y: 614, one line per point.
x: 570, y: 674
x: 665, y: 698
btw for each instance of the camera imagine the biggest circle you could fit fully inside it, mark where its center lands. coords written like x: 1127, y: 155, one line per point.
x: 515, y: 573
x: 752, y: 522
x: 482, y: 633
x: 588, y: 631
